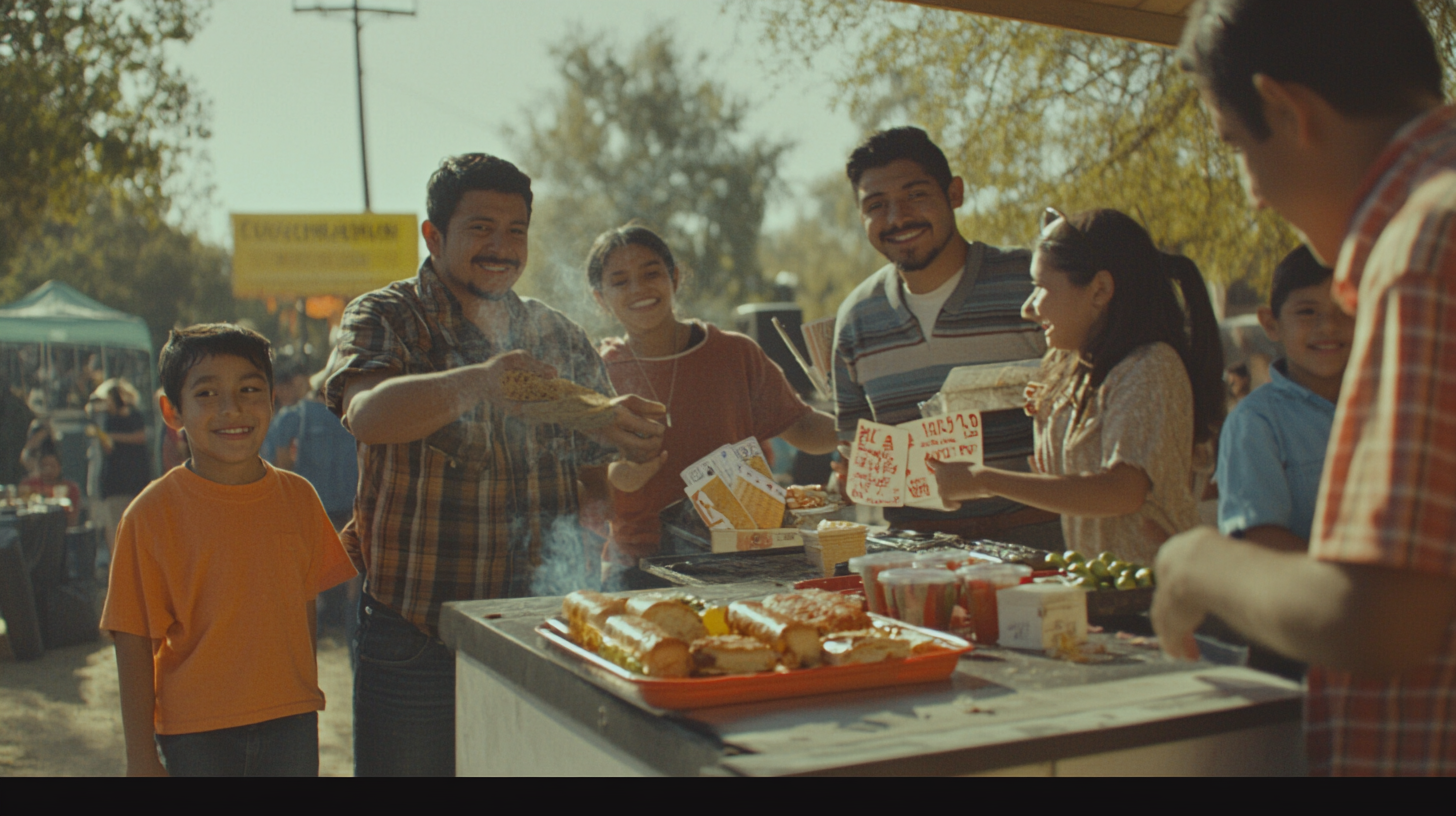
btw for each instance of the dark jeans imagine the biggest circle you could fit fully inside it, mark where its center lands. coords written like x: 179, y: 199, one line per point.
x: 404, y: 698
x: 287, y: 746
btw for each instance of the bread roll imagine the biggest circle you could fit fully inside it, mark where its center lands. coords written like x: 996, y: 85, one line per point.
x: 866, y: 646
x: 586, y: 612
x: 642, y: 646
x: 825, y: 611
x: 798, y: 643
x: 732, y: 654
x: 670, y: 612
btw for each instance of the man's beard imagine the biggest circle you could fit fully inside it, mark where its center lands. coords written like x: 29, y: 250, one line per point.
x: 494, y: 297
x: 916, y: 265
x: 476, y: 290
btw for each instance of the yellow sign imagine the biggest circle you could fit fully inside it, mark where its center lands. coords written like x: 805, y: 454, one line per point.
x: 294, y: 256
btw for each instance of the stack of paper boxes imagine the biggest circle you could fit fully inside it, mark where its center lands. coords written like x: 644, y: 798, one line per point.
x: 735, y: 494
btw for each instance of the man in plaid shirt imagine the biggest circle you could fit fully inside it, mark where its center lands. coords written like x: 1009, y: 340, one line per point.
x: 1335, y: 110
x: 458, y: 497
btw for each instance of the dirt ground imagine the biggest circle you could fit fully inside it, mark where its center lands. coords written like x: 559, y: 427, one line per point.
x: 60, y: 715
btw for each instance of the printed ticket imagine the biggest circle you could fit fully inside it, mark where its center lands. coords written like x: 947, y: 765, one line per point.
x: 714, y: 500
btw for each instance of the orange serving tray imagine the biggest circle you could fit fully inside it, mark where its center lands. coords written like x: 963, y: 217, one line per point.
x: 706, y: 692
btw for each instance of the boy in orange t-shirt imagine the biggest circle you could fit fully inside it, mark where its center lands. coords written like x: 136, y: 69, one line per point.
x: 214, y: 578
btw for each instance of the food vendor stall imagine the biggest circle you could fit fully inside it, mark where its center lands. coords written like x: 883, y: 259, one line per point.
x: 527, y: 707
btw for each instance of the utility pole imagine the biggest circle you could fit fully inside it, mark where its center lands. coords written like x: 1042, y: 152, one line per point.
x: 358, y: 11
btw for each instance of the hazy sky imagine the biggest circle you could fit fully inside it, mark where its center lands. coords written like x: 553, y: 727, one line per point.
x: 285, y: 132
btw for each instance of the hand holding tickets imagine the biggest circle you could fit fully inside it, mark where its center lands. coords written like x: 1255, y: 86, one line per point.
x: 733, y: 489
x: 888, y: 465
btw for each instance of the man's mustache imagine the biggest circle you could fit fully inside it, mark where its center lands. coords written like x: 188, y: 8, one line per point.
x: 495, y: 261
x: 885, y: 236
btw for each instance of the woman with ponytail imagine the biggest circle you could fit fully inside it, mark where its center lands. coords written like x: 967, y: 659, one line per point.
x: 1130, y: 395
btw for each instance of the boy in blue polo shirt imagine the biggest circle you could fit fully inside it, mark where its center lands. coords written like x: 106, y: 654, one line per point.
x: 1271, y: 450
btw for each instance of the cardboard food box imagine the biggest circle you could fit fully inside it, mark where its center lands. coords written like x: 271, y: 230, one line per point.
x: 746, y: 540
x: 1033, y: 616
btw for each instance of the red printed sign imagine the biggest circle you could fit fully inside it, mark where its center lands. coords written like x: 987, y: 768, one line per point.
x: 877, y: 465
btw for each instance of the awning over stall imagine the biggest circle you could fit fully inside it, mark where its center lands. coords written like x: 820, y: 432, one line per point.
x: 1151, y: 21
x: 57, y: 314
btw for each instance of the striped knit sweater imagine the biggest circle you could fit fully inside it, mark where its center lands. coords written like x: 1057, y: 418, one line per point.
x: 884, y: 367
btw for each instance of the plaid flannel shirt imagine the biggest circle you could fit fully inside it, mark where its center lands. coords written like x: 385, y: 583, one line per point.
x: 1388, y: 496
x: 485, y: 507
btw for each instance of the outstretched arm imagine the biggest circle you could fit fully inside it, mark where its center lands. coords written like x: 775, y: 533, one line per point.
x: 1374, y: 621
x: 134, y: 670
x: 384, y: 410
x: 814, y: 432
x: 1117, y: 491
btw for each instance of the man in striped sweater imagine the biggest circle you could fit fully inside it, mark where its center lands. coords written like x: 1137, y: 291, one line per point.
x: 942, y: 302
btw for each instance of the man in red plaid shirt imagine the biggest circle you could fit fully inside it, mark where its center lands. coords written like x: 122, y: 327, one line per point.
x: 1335, y: 110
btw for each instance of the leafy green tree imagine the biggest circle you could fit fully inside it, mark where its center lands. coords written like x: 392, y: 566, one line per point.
x: 646, y: 135
x: 119, y: 250
x: 90, y: 102
x: 1033, y: 117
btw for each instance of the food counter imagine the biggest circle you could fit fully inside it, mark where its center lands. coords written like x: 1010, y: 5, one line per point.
x: 525, y: 708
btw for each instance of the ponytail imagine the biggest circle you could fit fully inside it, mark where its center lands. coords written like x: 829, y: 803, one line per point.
x: 1204, y: 358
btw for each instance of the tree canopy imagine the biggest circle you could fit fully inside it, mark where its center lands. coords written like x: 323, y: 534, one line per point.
x: 644, y: 135
x: 90, y: 103
x: 1033, y: 116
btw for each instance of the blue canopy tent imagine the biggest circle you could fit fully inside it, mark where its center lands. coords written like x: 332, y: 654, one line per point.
x: 47, y: 337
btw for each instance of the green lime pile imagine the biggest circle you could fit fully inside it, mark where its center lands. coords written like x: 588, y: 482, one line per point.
x: 1106, y: 571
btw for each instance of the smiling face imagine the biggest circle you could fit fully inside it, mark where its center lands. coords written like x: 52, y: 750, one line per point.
x: 226, y: 408
x: 1315, y: 332
x: 482, y: 251
x: 637, y: 288
x: 1066, y: 312
x: 906, y: 215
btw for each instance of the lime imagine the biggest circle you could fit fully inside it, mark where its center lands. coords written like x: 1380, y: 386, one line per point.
x: 1073, y: 557
x: 1086, y: 582
x: 1127, y: 582
x: 1144, y: 577
x: 1106, y: 557
x: 1099, y: 569
x: 1057, y: 560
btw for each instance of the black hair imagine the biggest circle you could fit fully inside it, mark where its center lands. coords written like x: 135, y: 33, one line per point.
x: 47, y: 448
x: 187, y: 347
x: 630, y: 234
x: 1144, y: 309
x: 458, y: 175
x: 894, y: 144
x: 1298, y: 270
x: 1367, y: 58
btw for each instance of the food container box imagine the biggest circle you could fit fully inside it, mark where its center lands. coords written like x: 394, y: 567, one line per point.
x: 841, y: 541
x: 843, y: 584
x: 746, y: 540
x: 980, y: 584
x: 868, y: 567
x: 706, y: 692
x: 921, y: 597
x: 1038, y: 616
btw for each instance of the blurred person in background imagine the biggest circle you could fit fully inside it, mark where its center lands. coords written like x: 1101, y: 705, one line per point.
x: 293, y: 383
x: 48, y: 482
x: 309, y: 440
x: 126, y: 466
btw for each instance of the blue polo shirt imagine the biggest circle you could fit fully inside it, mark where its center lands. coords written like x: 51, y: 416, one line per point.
x: 1271, y: 453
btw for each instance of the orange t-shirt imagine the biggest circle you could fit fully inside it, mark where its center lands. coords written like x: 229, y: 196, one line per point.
x: 726, y: 389
x: 222, y: 575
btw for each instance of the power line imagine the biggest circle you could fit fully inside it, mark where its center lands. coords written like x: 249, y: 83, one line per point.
x: 358, y: 11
